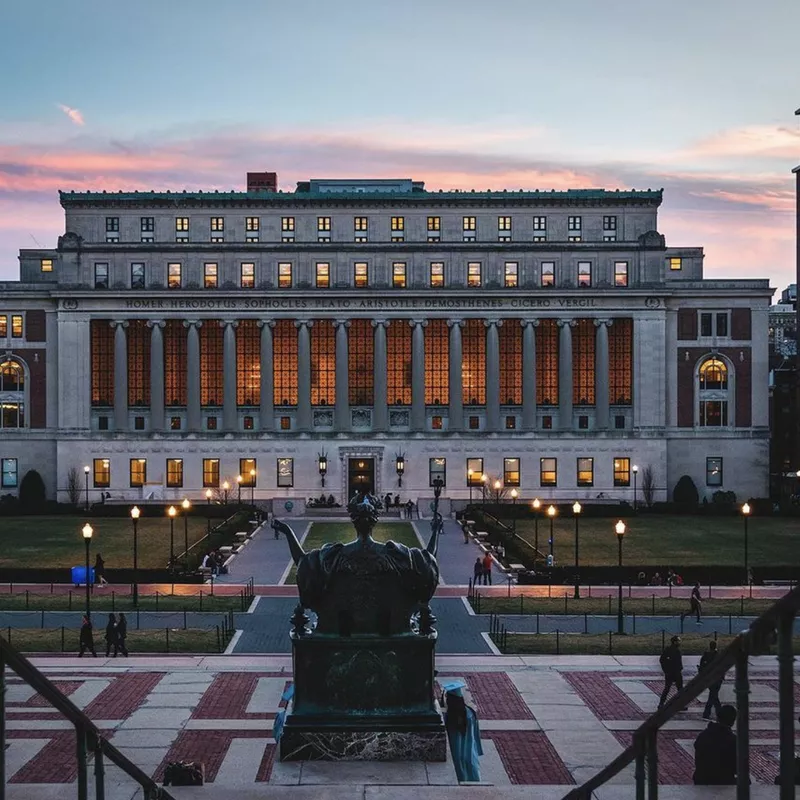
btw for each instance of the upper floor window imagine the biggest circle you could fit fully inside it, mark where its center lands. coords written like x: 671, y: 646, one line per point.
x: 675, y: 263
x: 181, y: 224
x: 285, y: 473
x: 540, y: 223
x: 469, y: 226
x: 714, y: 323
x: 622, y: 472
x: 574, y: 223
x: 284, y: 275
x: 474, y: 471
x: 46, y: 264
x: 398, y: 223
x: 247, y: 277
x: 101, y: 276
x: 175, y: 473
x: 585, y: 471
x: 437, y: 471
x: 609, y: 223
x: 3, y: 326
x: 147, y: 224
x: 101, y: 473
x: 211, y: 472
x: 548, y: 273
x: 437, y: 274
x: 323, y: 223
x: 217, y: 224
x: 138, y: 472
x: 137, y: 275
x: 210, y: 276
x: 511, y: 473
x: 112, y: 224
x: 361, y: 223
x: 252, y: 224
x: 511, y: 275
x: 399, y: 275
x: 12, y: 377
x: 620, y: 273
x: 584, y: 274
x: 323, y: 275
x: 434, y: 224
x: 287, y: 224
x: 548, y: 471
x: 173, y: 276
x: 474, y: 274
x: 360, y: 275
x: 16, y: 326
x: 504, y: 223
x: 713, y: 374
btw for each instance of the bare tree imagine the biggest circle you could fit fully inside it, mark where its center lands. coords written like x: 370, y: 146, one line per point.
x: 74, y: 485
x: 648, y: 485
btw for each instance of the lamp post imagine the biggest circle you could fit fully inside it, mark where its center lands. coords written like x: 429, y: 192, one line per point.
x: 322, y: 465
x: 86, y: 470
x: 536, y: 505
x: 172, y: 511
x: 469, y: 483
x: 186, y: 505
x: 87, y: 538
x: 745, y: 515
x: 208, y: 512
x: 400, y: 467
x: 225, y: 488
x: 239, y: 490
x: 497, y: 487
x: 635, y: 473
x: 514, y: 495
x: 576, y: 510
x: 619, y: 529
x: 135, y: 517
x: 252, y: 486
x: 483, y: 491
x: 551, y: 512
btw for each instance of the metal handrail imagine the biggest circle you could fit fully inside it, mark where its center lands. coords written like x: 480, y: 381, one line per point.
x: 507, y: 531
x: 751, y: 641
x: 88, y: 736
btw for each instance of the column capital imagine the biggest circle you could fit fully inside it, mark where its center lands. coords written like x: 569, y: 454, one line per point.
x: 269, y: 323
x: 156, y: 323
x: 607, y: 322
x: 337, y: 323
x: 376, y: 323
x: 570, y: 323
x: 121, y: 323
x: 189, y: 323
x: 526, y: 322
x: 455, y: 323
x: 304, y: 323
x: 418, y: 322
x: 496, y: 322
x: 224, y: 323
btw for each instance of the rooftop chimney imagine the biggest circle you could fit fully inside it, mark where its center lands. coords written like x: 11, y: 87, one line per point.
x: 262, y: 181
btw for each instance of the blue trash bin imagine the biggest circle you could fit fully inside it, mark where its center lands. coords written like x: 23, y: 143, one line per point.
x: 79, y: 575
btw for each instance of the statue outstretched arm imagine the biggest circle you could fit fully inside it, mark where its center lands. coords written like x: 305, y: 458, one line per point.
x: 436, y: 527
x: 295, y: 548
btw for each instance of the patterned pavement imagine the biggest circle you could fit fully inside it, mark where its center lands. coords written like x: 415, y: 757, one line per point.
x: 545, y: 722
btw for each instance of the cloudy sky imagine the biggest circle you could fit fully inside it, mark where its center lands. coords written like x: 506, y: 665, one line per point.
x: 695, y: 96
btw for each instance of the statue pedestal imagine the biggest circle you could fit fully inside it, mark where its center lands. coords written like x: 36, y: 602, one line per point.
x: 363, y: 698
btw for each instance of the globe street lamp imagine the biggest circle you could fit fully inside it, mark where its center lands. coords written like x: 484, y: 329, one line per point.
x: 469, y: 483
x: 536, y: 505
x: 86, y: 470
x: 635, y: 473
x: 745, y: 515
x: 87, y: 538
x: 208, y: 512
x: 514, y: 495
x: 551, y: 512
x: 225, y: 487
x: 186, y: 505
x: 619, y: 529
x: 252, y: 485
x: 576, y: 510
x: 135, y: 517
x: 239, y: 490
x: 172, y: 511
x: 497, y: 487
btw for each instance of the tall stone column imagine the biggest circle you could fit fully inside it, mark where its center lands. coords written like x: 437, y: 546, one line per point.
x: 341, y: 413
x: 156, y: 374
x: 229, y: 406
x: 565, y: 374
x: 493, y: 374
x: 120, y: 375
x: 193, y: 411
x: 456, y: 411
x: 380, y: 408
x: 266, y: 413
x: 304, y: 374
x: 671, y: 360
x: 601, y: 374
x: 529, y: 374
x: 418, y: 374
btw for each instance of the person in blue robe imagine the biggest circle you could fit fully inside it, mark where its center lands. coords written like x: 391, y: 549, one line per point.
x: 463, y: 733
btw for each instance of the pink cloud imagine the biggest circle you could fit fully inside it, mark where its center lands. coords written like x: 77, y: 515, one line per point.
x: 773, y: 141
x: 74, y: 115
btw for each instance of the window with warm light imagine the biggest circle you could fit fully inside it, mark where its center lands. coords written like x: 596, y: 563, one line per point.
x: 399, y: 275
x: 437, y: 274
x: 285, y: 473
x: 504, y: 223
x: 248, y: 469
x: 437, y: 470
x: 287, y: 224
x: 284, y: 275
x: 46, y: 265
x: 323, y: 275
x: 360, y: 275
x: 474, y: 274
x: 713, y: 374
x: 210, y: 473
x: 622, y: 472
x: 474, y: 471
x: 469, y: 223
x: 173, y: 276
x: 434, y: 224
x: 323, y: 224
x: 181, y: 224
x: 175, y: 473
x: 16, y: 326
x: 548, y: 472
x: 138, y: 472
x: 251, y: 224
x: 398, y: 223
x: 511, y: 274
x: 3, y: 326
x: 511, y: 472
x: 210, y: 276
x: 675, y: 263
x: 101, y: 473
x: 585, y: 471
x: 217, y: 224
x: 360, y: 229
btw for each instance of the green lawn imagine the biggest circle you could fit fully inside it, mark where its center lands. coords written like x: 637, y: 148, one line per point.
x: 107, y: 600
x: 50, y: 640
x: 57, y: 541
x: 671, y: 540
x: 324, y: 532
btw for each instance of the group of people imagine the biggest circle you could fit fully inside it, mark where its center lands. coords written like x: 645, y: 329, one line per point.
x: 116, y: 636
x: 672, y: 579
x: 214, y: 561
x: 482, y: 570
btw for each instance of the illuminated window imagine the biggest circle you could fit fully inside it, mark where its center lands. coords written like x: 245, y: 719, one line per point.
x: 474, y: 274
x: 287, y: 229
x: 714, y: 471
x: 713, y: 375
x: 12, y: 377
x: 360, y: 275
x: 574, y: 237
x: 547, y: 363
x: 437, y: 274
x: 8, y: 473
x: 323, y: 275
x: 324, y: 224
x: 46, y: 264
x: 247, y: 423
x: 211, y: 423
x: 474, y: 471
x: 474, y: 422
x: 511, y: 423
x: 398, y: 223
x: 360, y: 363
x: 468, y: 223
x: 398, y: 362
x: 138, y: 470
x: 583, y: 349
x: 622, y: 472
x: 548, y: 273
x: 248, y: 363
x: 434, y: 224
x: 675, y: 263
x: 323, y: 363
x: 437, y: 470
x: 284, y: 365
x: 436, y: 423
x: 585, y: 471
x: 284, y: 275
x: 3, y: 326
x: 175, y: 358
x: 210, y: 473
x: 174, y: 423
x: 584, y: 274
x: 473, y: 364
x: 211, y: 363
x: 102, y: 353
x: 548, y: 472
x: 511, y: 472
x: 138, y: 363
x: 12, y: 397
x: 251, y: 224
x: 247, y: 276
x: 217, y: 224
x: 286, y: 423
x: 504, y: 223
x: 399, y: 275
x: 437, y: 363
x: 101, y: 473
x: 249, y: 472
x: 210, y: 276
x: 510, y: 340
x: 285, y: 474
x: 540, y: 223
x: 137, y: 276
x: 101, y: 276
x: 511, y: 274
x: 16, y: 326
x: 173, y: 276
x: 175, y: 473
x: 361, y: 228
x: 620, y: 273
x: 620, y: 362
x: 181, y: 224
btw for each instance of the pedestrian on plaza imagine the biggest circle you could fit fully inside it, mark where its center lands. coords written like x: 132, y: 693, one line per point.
x: 465, y: 531
x: 100, y: 571
x: 672, y: 666
x: 122, y: 634
x: 706, y: 660
x: 477, y: 571
x: 487, y: 569
x: 695, y: 604
x: 715, y: 751
x: 86, y: 638
x: 111, y: 635
x: 656, y: 579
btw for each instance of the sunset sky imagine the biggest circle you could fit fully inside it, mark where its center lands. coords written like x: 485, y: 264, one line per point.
x: 695, y: 97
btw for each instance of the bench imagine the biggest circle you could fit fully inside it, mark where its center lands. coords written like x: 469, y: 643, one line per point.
x: 516, y: 567
x: 226, y: 549
x: 241, y: 535
x: 481, y: 534
x: 778, y: 583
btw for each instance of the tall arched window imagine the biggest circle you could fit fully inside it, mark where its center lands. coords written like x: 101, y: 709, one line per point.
x: 713, y: 374
x: 713, y: 394
x: 12, y: 394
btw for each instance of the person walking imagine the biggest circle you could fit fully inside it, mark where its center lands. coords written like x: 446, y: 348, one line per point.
x: 706, y: 660
x: 111, y: 635
x: 86, y: 638
x: 477, y: 571
x: 122, y: 634
x: 100, y: 571
x: 715, y: 751
x: 487, y: 569
x: 672, y: 666
x: 695, y: 604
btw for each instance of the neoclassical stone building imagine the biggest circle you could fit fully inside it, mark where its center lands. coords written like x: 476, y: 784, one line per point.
x: 370, y: 333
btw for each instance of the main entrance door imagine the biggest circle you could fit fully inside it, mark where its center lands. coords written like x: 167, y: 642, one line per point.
x: 360, y: 476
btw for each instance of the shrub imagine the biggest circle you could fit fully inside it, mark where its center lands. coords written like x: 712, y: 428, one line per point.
x: 723, y: 498
x: 31, y: 492
x: 685, y: 493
